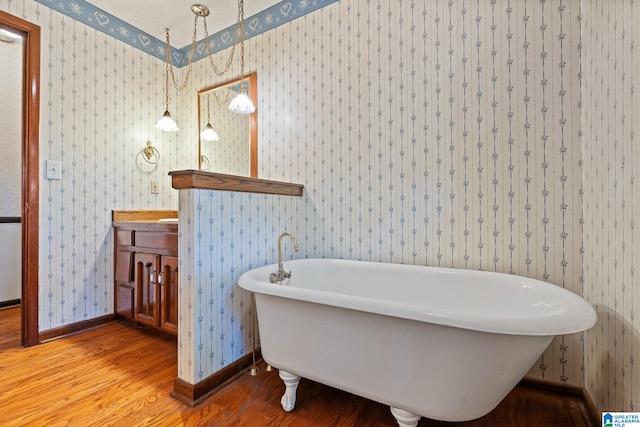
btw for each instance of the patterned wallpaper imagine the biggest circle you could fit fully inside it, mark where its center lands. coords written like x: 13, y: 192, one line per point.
x: 611, y: 211
x: 11, y: 129
x: 441, y: 134
x: 100, y: 99
x: 222, y: 235
x: 267, y: 19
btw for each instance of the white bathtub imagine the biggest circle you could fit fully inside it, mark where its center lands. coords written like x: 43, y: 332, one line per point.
x: 446, y: 344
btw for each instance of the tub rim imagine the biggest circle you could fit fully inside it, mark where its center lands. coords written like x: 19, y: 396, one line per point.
x: 579, y: 315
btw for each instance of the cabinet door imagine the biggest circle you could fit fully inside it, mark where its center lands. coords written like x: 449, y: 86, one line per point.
x: 124, y: 286
x: 147, y: 309
x: 169, y: 285
x: 124, y: 283
x: 124, y: 300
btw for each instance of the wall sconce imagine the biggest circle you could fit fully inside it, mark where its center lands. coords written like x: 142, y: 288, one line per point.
x: 205, y: 163
x: 150, y: 154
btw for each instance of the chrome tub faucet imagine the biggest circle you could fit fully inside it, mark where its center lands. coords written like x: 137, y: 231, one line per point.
x: 281, y: 274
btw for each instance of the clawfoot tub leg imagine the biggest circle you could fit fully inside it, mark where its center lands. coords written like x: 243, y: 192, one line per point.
x: 405, y: 418
x: 291, y: 381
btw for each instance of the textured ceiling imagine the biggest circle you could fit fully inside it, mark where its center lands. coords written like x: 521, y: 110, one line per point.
x: 153, y: 16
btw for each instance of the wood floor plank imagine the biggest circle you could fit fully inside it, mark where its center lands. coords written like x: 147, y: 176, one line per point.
x: 118, y: 375
x: 10, y: 327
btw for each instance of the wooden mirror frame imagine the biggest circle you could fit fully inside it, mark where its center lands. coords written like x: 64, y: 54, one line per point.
x: 252, y: 79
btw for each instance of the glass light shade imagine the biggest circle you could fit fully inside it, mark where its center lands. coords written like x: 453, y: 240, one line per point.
x: 241, y: 104
x: 166, y: 123
x: 208, y: 134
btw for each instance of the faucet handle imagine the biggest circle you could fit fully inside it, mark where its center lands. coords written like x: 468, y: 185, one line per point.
x: 279, y: 276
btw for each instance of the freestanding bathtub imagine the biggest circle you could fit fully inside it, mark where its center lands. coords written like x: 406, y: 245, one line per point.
x: 446, y: 344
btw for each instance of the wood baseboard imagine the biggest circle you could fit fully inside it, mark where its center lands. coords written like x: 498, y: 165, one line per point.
x: 194, y: 394
x: 74, y: 328
x: 591, y: 413
x: 9, y: 303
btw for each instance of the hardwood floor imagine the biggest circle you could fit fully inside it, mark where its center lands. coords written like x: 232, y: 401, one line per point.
x: 117, y: 375
x: 9, y: 327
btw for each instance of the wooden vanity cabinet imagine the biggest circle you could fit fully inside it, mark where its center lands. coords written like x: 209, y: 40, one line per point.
x: 156, y: 290
x: 146, y: 274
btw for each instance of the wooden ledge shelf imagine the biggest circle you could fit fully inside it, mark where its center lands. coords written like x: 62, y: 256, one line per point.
x: 187, y: 179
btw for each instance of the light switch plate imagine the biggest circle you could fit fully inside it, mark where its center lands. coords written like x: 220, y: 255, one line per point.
x: 53, y: 169
x: 154, y: 187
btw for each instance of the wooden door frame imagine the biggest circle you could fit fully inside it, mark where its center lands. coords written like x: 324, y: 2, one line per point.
x: 30, y: 172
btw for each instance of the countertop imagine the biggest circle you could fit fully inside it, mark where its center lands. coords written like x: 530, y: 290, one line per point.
x: 146, y: 225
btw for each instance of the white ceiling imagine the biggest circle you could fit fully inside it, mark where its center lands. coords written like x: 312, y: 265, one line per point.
x: 153, y: 16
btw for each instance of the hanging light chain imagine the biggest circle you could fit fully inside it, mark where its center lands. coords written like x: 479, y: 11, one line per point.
x: 208, y: 110
x: 166, y: 73
x: 233, y: 48
x: 241, y: 26
x: 239, y: 34
x: 184, y: 83
x: 224, y: 101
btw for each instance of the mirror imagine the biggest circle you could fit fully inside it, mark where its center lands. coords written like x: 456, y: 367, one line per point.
x: 235, y: 152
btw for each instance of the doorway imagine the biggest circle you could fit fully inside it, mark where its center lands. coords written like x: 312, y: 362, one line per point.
x: 29, y: 217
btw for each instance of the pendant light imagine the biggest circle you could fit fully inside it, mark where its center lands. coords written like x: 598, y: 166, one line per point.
x: 166, y: 123
x: 208, y: 134
x: 241, y: 104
